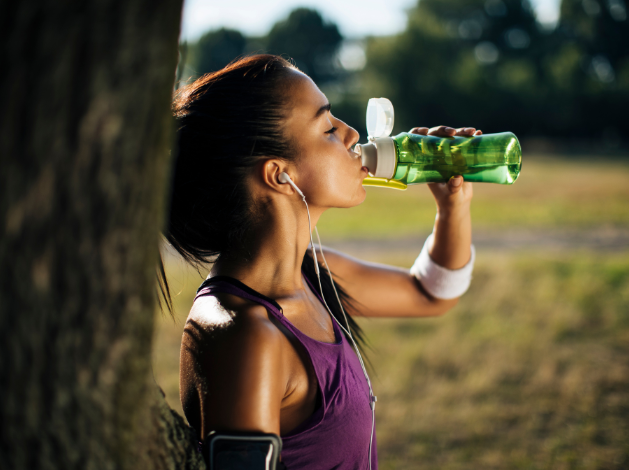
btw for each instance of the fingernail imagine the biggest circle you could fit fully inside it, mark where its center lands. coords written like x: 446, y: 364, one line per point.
x: 456, y: 181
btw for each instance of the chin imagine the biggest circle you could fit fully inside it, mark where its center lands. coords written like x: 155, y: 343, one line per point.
x: 343, y: 200
x: 363, y: 194
x: 360, y: 197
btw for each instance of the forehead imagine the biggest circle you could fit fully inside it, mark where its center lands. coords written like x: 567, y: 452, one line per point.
x: 305, y: 99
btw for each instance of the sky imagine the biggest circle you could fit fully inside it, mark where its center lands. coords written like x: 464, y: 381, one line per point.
x: 355, y: 18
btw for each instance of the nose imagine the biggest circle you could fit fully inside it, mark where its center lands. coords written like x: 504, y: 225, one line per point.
x: 351, y: 137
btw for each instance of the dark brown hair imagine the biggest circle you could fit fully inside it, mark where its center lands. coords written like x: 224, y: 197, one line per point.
x: 226, y: 122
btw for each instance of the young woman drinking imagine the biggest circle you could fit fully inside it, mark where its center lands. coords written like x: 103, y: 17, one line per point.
x: 260, y: 157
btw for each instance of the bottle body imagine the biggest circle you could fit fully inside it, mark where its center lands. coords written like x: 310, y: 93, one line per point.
x: 489, y: 158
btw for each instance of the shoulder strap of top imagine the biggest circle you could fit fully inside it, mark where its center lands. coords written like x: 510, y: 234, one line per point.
x: 229, y: 285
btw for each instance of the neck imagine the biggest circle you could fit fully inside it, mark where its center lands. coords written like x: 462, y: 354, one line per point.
x: 276, y: 251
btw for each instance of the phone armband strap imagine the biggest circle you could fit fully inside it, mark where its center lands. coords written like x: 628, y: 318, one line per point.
x: 243, y: 451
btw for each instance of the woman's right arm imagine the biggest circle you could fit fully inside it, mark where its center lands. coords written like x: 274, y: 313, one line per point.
x: 235, y: 368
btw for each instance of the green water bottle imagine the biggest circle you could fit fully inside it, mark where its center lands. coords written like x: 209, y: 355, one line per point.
x: 396, y: 162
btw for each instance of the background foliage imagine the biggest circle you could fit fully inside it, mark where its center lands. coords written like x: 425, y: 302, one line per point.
x: 486, y: 63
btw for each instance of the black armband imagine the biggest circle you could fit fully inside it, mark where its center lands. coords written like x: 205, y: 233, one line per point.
x: 242, y: 451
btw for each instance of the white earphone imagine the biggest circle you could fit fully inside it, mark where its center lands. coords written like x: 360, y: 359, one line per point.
x: 284, y: 178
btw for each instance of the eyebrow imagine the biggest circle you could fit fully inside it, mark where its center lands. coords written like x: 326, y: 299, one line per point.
x: 322, y: 110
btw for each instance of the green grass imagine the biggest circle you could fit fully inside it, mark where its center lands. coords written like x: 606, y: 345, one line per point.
x: 530, y: 370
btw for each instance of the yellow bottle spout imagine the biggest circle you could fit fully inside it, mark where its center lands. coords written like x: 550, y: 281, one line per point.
x: 384, y: 183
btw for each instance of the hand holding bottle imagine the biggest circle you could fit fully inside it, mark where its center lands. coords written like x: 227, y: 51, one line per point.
x: 453, y: 224
x: 445, y: 131
x: 455, y: 192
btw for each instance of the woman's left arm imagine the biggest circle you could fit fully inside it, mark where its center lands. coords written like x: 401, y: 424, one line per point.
x: 385, y: 291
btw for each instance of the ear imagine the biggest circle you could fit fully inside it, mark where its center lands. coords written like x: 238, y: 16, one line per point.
x: 270, y: 170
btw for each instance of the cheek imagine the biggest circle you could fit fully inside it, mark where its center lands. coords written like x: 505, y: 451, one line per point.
x: 320, y: 179
x: 331, y: 182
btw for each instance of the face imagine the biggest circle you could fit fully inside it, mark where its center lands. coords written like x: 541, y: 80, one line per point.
x: 326, y: 168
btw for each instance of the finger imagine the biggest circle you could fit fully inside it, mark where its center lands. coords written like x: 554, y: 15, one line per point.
x: 442, y: 131
x: 478, y: 132
x: 455, y: 184
x: 465, y: 131
x: 419, y: 130
x: 438, y: 189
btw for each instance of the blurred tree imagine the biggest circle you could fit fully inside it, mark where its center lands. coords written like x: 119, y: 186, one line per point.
x: 461, y: 62
x: 599, y: 26
x: 215, y: 49
x: 309, y: 41
x: 486, y: 63
x: 304, y: 36
x: 85, y: 157
x: 489, y: 64
x: 591, y: 65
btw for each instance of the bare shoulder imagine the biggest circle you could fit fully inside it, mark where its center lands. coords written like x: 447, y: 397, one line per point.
x: 226, y: 321
x: 233, y: 373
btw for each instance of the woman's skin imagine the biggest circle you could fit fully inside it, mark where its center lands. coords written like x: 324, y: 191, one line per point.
x: 240, y: 369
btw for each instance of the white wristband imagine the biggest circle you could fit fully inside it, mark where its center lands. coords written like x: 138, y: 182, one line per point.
x: 441, y: 282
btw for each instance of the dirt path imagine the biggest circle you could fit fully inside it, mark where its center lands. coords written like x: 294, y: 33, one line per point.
x: 510, y: 240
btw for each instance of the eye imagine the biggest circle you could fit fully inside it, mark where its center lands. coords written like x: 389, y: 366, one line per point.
x: 332, y: 131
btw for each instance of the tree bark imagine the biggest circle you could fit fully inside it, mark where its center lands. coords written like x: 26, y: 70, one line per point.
x: 84, y: 154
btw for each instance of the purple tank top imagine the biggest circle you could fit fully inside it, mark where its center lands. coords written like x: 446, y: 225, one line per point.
x: 337, y: 434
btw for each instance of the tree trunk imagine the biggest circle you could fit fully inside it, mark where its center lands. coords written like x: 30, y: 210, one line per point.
x: 84, y: 154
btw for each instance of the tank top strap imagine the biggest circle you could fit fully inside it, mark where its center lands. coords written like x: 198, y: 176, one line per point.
x: 229, y: 285
x: 250, y: 294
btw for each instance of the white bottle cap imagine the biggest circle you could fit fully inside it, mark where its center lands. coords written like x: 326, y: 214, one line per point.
x: 385, y: 168
x: 378, y: 156
x: 379, y: 117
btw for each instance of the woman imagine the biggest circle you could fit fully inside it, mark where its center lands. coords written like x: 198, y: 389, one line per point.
x: 260, y: 351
